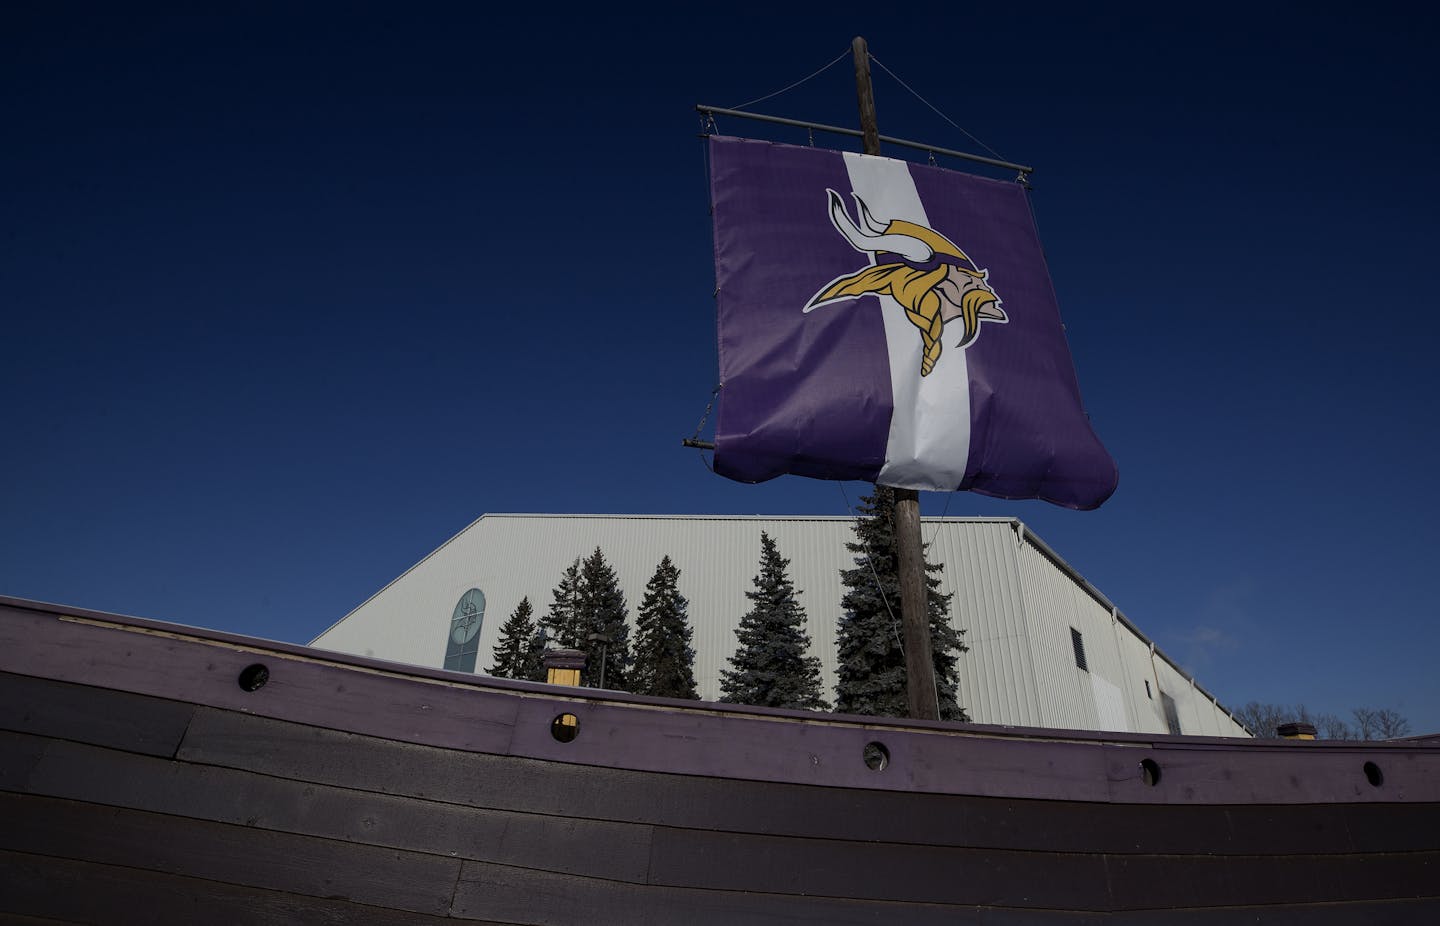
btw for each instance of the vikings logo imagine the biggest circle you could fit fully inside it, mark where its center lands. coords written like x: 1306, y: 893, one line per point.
x: 932, y: 279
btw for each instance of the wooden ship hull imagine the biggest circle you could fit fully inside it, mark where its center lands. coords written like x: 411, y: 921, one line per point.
x: 151, y: 773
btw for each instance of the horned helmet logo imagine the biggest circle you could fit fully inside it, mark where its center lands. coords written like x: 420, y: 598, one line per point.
x: 933, y: 280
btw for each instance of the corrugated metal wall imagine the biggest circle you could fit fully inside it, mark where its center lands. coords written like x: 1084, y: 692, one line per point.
x: 1144, y: 697
x: 997, y: 677
x: 1016, y: 605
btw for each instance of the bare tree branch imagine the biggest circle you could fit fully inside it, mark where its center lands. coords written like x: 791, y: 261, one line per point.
x: 1366, y: 723
x: 1330, y: 727
x: 1390, y: 725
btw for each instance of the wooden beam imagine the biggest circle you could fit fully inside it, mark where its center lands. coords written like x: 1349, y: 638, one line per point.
x: 921, y: 695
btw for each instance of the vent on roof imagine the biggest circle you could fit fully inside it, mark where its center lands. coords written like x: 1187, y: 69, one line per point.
x: 1172, y: 716
x: 1079, y: 643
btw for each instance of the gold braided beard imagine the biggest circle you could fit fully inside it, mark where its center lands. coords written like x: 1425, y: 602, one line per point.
x: 931, y: 312
x: 972, y: 307
x: 918, y: 293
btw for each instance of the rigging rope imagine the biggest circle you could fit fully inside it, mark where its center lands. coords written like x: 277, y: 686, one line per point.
x: 797, y: 83
x: 932, y: 106
x: 949, y: 496
x: 714, y: 394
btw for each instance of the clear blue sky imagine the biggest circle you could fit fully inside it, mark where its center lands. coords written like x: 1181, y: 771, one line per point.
x: 291, y: 295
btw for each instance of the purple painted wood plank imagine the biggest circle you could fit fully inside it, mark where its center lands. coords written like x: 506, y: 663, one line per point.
x: 1280, y: 829
x: 880, y: 871
x: 19, y: 754
x: 1157, y: 883
x: 317, y: 693
x: 1368, y: 913
x: 681, y: 858
x: 117, y: 719
x: 1394, y: 828
x: 307, y: 753
x: 822, y: 753
x: 811, y: 752
x: 521, y: 896
x: 85, y: 773
x: 414, y: 711
x: 61, y: 890
x: 230, y: 854
x: 276, y: 748
x: 728, y: 866
x: 15, y: 919
x: 1295, y: 776
x: 818, y: 750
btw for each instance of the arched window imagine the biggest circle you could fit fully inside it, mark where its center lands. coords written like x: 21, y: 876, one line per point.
x: 464, y: 643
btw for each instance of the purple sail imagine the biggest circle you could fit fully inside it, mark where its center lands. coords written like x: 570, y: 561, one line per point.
x: 891, y: 322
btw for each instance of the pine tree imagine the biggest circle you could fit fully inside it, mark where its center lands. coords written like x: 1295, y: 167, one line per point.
x: 521, y: 645
x: 561, y: 624
x: 771, y: 668
x: 600, y: 610
x: 871, y: 668
x: 664, y: 659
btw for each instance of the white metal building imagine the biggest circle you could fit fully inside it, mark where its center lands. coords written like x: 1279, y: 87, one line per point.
x: 1029, y: 619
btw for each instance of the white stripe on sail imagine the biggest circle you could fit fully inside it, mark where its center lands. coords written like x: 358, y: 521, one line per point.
x: 929, y: 440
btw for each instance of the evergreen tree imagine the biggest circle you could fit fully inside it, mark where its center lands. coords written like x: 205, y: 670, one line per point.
x: 771, y: 668
x: 600, y: 609
x: 664, y: 659
x: 521, y: 645
x: 871, y: 670
x: 562, y: 624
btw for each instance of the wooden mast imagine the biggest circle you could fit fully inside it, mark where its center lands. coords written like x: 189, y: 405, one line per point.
x: 923, y: 700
